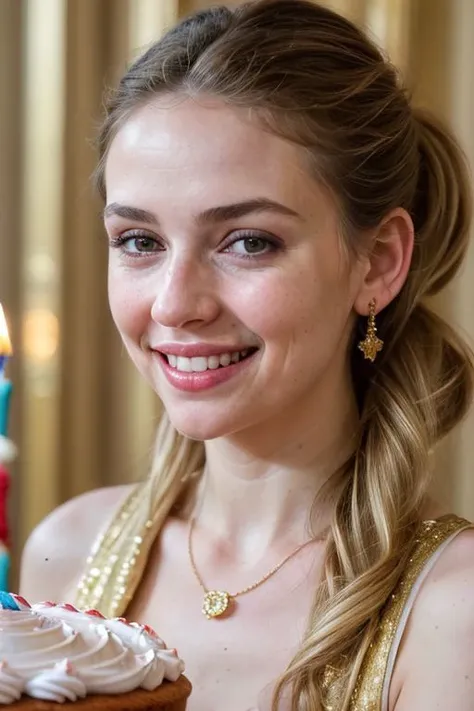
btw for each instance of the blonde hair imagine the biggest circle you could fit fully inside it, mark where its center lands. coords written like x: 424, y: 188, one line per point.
x: 314, y: 78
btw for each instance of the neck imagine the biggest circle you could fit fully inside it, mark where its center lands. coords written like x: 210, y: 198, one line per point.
x: 265, y: 485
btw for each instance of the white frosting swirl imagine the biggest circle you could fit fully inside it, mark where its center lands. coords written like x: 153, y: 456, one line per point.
x: 56, y: 653
x: 174, y: 666
x: 58, y: 684
x: 11, y: 685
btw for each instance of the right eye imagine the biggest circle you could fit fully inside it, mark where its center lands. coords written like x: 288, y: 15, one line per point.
x: 136, y: 244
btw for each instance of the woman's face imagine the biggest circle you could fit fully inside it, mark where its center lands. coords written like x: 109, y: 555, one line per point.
x: 221, y: 243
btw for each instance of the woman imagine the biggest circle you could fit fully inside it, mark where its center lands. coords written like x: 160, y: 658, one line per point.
x: 278, y: 216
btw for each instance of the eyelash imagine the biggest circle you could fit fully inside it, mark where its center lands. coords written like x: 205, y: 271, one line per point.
x: 273, y: 244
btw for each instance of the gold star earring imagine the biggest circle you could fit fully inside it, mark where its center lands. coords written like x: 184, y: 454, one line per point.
x: 371, y: 345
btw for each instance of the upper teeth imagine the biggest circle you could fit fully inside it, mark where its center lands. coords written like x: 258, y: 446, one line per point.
x: 199, y: 364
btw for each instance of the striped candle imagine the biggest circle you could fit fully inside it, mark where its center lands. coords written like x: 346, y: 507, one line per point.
x: 5, y: 394
x: 5, y: 385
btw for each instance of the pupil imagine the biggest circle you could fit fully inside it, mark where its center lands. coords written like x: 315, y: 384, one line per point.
x: 144, y: 244
x: 254, y: 244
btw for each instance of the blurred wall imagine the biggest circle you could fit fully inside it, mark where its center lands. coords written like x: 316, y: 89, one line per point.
x: 81, y: 415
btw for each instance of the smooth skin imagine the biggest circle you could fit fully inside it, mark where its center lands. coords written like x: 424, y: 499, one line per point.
x: 280, y: 280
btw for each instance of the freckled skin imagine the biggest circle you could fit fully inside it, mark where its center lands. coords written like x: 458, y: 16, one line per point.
x: 295, y: 304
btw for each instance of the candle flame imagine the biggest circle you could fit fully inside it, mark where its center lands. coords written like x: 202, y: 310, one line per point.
x: 5, y: 343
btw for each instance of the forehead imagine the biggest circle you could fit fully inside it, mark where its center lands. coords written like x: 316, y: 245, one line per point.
x: 186, y: 147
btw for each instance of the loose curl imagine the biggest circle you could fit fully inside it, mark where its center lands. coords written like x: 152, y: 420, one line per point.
x: 315, y: 79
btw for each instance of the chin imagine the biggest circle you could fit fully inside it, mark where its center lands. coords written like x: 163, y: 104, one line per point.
x: 196, y: 429
x: 201, y: 426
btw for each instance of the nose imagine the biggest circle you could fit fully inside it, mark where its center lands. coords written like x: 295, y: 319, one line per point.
x: 185, y: 295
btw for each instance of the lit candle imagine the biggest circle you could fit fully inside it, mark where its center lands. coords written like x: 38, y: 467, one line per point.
x: 5, y: 385
x: 5, y: 450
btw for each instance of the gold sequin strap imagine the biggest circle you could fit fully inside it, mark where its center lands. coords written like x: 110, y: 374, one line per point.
x: 368, y: 694
x: 113, y: 570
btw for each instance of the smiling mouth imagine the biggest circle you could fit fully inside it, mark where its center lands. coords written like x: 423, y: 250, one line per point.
x: 199, y: 364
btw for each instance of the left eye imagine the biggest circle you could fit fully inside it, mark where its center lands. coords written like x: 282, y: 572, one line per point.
x: 248, y: 246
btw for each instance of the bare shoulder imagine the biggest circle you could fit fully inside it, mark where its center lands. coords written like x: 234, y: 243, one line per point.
x: 448, y: 591
x: 55, y: 553
x: 435, y: 667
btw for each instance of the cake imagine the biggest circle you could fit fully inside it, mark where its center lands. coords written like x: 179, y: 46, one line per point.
x: 54, y: 656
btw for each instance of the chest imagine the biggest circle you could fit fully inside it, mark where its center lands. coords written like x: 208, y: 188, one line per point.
x: 232, y: 661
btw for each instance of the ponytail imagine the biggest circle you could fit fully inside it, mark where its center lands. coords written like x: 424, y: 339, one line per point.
x: 442, y: 209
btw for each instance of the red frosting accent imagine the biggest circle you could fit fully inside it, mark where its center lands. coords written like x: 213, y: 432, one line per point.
x: 68, y: 606
x: 149, y: 630
x: 124, y: 620
x: 21, y: 600
x: 95, y: 613
x: 48, y: 603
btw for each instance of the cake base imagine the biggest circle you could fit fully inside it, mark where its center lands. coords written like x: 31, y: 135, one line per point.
x: 170, y: 696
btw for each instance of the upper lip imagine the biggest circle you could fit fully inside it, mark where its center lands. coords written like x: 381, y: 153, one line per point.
x: 190, y: 350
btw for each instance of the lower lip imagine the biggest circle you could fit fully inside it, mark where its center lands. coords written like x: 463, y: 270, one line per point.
x: 196, y: 382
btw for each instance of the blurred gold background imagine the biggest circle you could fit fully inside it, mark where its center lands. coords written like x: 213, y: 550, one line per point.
x: 81, y: 416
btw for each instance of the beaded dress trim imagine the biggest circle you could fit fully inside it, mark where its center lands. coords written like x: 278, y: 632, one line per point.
x: 110, y: 580
x: 373, y: 677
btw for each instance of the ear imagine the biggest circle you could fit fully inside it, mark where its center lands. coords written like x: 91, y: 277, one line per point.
x: 388, y: 262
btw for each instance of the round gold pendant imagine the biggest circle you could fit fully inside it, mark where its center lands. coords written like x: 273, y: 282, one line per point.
x: 216, y: 602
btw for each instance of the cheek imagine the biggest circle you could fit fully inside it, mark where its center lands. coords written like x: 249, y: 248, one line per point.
x: 302, y: 317
x: 129, y: 307
x: 287, y: 302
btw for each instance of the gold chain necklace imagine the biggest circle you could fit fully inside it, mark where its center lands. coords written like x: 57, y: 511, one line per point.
x: 218, y: 602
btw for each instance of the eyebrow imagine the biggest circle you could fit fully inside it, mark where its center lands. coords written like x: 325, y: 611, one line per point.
x: 212, y: 214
